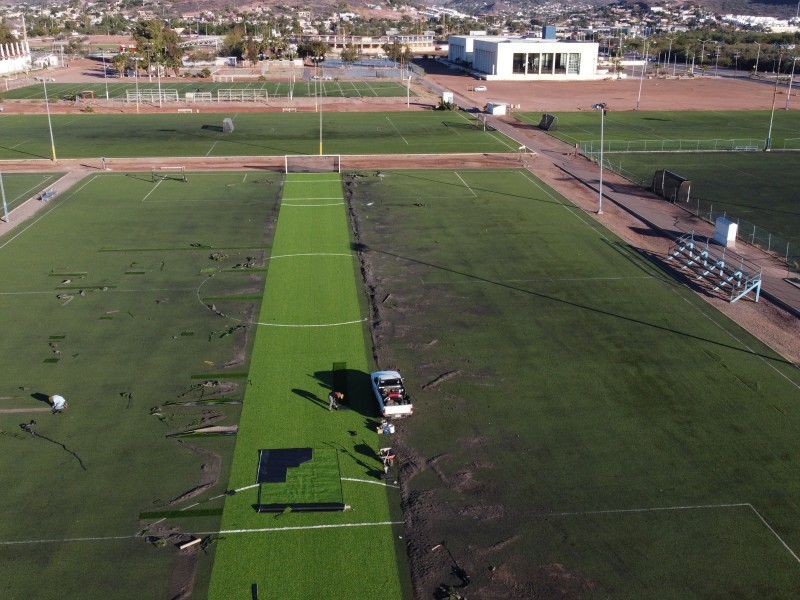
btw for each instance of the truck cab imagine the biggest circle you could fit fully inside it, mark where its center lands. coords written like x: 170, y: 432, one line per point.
x: 390, y: 393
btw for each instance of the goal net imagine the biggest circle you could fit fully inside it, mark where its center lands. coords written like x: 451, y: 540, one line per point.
x: 548, y: 122
x: 163, y: 173
x: 671, y: 186
x: 308, y: 163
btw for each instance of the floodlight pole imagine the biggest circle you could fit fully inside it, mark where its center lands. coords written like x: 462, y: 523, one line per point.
x: 641, y: 78
x: 3, y: 194
x: 321, y: 88
x: 602, y: 107
x: 758, y: 55
x: 768, y: 145
x: 791, y: 79
x: 105, y: 73
x: 49, y: 122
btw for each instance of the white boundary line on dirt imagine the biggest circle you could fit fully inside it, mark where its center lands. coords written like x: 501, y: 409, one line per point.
x: 365, y: 481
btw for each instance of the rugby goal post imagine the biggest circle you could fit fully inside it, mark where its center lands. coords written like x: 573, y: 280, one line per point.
x: 310, y: 163
x: 173, y: 173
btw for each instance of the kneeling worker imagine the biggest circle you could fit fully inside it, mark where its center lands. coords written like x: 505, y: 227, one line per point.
x: 58, y: 403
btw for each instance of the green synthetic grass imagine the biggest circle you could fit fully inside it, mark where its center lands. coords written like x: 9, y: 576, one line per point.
x: 317, y: 480
x: 311, y: 287
x: 619, y: 436
x: 302, y: 89
x: 257, y: 134
x: 751, y: 187
x: 19, y: 187
x: 93, y: 469
x: 634, y: 126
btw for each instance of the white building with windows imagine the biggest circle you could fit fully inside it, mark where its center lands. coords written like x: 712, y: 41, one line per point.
x: 526, y: 59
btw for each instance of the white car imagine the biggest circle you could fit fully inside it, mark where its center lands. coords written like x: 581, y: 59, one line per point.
x: 390, y: 393
x: 479, y: 88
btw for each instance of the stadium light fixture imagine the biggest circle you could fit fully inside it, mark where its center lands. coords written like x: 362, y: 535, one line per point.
x: 791, y: 79
x: 49, y: 122
x: 601, y: 106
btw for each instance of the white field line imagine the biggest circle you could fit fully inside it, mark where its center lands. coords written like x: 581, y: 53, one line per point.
x: 212, y: 148
x: 676, y: 508
x: 110, y: 290
x: 582, y: 279
x: 741, y: 342
x: 371, y: 89
x: 20, y: 144
x: 75, y: 539
x: 471, y: 191
x: 298, y: 199
x: 158, y: 183
x: 397, y: 130
x: 29, y: 190
x: 311, y: 324
x: 298, y: 528
x: 46, y: 212
x: 311, y: 254
x: 245, y: 177
x: 370, y: 481
x: 313, y: 205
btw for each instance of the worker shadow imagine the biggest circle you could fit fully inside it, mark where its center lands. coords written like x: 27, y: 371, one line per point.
x: 41, y: 397
x: 356, y: 387
x: 311, y: 397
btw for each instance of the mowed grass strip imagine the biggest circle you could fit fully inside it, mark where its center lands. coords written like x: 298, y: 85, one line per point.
x: 311, y: 286
x: 607, y: 424
x: 256, y: 134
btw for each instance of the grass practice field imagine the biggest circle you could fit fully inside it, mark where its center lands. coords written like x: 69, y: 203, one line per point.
x: 256, y: 134
x: 660, y: 127
x: 301, y: 89
x: 583, y: 423
x: 105, y: 300
x: 310, y: 318
x: 21, y: 186
x: 749, y: 187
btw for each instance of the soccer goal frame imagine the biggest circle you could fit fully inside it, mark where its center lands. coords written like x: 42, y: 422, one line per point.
x: 164, y: 173
x: 312, y: 163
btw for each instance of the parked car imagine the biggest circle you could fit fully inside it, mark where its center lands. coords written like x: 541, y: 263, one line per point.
x: 390, y: 393
x: 479, y: 88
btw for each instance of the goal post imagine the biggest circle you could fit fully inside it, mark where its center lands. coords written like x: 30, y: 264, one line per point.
x: 548, y: 122
x: 671, y: 186
x: 310, y: 163
x: 163, y: 173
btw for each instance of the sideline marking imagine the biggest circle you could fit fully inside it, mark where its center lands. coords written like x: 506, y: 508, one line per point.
x: 310, y: 324
x: 397, y: 130
x: 311, y: 254
x: 358, y: 480
x: 299, y: 528
x: 313, y: 205
x: 471, y: 191
x: 153, y: 190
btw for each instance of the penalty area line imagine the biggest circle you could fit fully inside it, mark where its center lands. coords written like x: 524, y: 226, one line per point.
x: 367, y: 481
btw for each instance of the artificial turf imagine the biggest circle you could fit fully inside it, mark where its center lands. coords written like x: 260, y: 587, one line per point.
x: 280, y: 89
x: 73, y: 494
x: 19, y: 187
x: 310, y: 319
x: 601, y: 430
x: 256, y: 134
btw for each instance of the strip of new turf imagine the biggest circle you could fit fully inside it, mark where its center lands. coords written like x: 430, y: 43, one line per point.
x: 312, y: 287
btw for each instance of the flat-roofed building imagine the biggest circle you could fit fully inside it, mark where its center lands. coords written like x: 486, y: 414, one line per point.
x: 526, y: 58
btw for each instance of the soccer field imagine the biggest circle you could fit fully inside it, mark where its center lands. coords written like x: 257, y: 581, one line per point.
x: 256, y: 134
x: 19, y: 187
x: 103, y: 304
x: 280, y: 89
x: 582, y: 421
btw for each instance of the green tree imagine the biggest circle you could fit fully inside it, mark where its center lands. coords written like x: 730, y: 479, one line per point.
x: 252, y: 50
x: 349, y: 54
x: 6, y: 36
